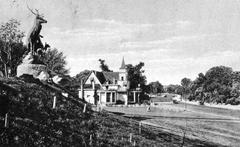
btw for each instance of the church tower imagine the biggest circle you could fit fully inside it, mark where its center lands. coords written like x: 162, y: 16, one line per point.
x: 123, y: 66
x: 123, y: 74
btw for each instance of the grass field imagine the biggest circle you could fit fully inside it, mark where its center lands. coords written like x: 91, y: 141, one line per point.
x: 199, y: 122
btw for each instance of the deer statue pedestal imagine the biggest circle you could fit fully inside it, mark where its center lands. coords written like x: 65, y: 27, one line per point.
x: 36, y: 70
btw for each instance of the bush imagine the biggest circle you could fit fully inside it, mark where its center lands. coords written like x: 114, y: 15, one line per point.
x: 146, y: 102
x: 143, y: 97
x: 233, y: 101
x: 201, y: 102
x: 175, y: 102
x: 191, y: 97
x: 221, y: 99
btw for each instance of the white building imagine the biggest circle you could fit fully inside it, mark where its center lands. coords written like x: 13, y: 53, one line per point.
x: 108, y: 88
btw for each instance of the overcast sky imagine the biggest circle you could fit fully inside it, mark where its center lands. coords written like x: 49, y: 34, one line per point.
x: 174, y: 38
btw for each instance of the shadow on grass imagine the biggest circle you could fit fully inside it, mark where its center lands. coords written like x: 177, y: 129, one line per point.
x: 164, y: 136
x: 144, y: 117
x: 135, y: 117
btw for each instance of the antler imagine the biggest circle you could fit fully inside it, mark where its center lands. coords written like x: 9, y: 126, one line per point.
x: 31, y: 10
x: 37, y: 13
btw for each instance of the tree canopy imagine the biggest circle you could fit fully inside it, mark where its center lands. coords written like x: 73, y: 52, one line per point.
x: 103, y: 66
x: 82, y: 75
x: 11, y: 47
x: 135, y: 76
x: 155, y: 87
x: 219, y: 84
x: 185, y: 83
x: 55, y: 61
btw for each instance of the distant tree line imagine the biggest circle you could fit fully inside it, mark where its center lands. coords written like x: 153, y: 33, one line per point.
x: 220, y: 84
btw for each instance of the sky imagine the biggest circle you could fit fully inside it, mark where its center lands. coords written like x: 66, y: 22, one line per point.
x: 174, y: 38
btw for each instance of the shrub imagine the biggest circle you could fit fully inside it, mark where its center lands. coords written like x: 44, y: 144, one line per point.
x: 146, y: 102
x: 221, y: 99
x: 233, y: 101
x: 201, y: 102
x: 143, y: 97
x: 175, y: 102
x: 191, y: 97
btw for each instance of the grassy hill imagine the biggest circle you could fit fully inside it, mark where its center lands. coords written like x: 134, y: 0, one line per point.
x: 33, y: 121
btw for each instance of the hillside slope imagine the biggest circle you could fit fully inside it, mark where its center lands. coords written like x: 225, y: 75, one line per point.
x: 33, y: 121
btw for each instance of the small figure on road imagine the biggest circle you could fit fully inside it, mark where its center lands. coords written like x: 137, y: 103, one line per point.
x: 148, y: 108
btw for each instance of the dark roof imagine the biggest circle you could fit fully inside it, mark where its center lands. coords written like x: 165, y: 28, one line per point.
x: 100, y: 77
x: 110, y: 76
x: 105, y: 76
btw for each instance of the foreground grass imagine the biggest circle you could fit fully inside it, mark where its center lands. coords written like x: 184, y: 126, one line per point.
x: 33, y: 122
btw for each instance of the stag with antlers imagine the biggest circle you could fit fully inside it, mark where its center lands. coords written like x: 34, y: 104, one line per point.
x: 33, y: 40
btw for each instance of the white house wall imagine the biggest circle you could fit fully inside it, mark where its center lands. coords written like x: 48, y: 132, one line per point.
x: 89, y: 96
x: 103, y: 98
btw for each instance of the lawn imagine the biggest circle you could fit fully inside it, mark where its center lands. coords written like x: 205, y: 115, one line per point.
x: 163, y: 98
x: 199, y: 122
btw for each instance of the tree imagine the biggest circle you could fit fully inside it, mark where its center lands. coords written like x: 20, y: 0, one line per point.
x: 172, y: 88
x: 55, y: 61
x: 69, y: 83
x: 11, y: 40
x: 185, y: 82
x: 18, y: 52
x: 219, y: 74
x: 103, y: 66
x: 136, y: 77
x: 82, y: 75
x: 155, y: 87
x: 219, y: 82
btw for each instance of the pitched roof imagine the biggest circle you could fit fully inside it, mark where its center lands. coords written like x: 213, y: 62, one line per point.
x: 100, y: 77
x: 110, y: 76
x: 105, y: 76
x: 123, y: 66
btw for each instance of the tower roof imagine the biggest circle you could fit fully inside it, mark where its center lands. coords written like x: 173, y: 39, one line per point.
x: 123, y: 66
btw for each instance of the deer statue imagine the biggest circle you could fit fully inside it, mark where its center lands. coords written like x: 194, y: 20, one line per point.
x: 33, y: 39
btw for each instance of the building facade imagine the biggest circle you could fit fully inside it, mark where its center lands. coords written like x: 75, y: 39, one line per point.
x: 108, y: 88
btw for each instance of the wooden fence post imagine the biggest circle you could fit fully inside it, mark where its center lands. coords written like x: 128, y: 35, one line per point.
x: 54, y: 101
x: 6, y: 120
x: 84, y: 109
x: 130, y: 137
x: 140, y: 128
x: 90, y: 143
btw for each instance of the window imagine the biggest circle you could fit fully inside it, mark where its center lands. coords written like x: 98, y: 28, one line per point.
x: 108, y: 97
x: 130, y: 97
x: 122, y: 78
x: 113, y: 97
x: 115, y: 81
